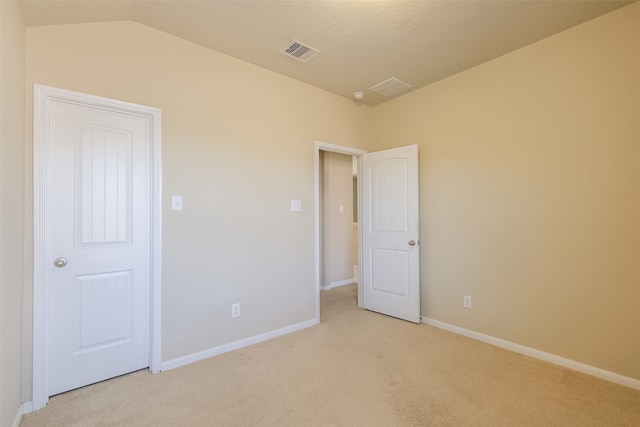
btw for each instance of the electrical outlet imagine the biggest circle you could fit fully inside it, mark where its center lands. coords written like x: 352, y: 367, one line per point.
x: 467, y: 302
x: 235, y: 310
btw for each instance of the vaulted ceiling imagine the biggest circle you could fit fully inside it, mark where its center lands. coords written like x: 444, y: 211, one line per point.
x: 361, y: 43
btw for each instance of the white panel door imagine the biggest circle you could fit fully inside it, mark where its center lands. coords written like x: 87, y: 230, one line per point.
x: 99, y: 236
x: 390, y: 245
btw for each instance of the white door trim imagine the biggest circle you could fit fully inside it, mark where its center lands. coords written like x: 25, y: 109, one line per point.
x: 325, y: 146
x: 42, y: 97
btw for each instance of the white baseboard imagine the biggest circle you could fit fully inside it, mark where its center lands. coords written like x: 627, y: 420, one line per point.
x: 341, y: 283
x: 25, y: 408
x: 337, y: 284
x: 538, y: 354
x: 225, y: 348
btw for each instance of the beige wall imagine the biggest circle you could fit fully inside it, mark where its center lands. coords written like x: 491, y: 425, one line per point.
x: 238, y: 145
x: 337, y: 227
x: 530, y: 197
x: 12, y: 213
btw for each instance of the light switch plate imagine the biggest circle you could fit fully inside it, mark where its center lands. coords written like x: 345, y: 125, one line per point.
x: 176, y: 203
x: 296, y: 206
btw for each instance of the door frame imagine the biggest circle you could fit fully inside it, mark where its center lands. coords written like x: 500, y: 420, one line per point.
x: 325, y: 146
x: 42, y: 98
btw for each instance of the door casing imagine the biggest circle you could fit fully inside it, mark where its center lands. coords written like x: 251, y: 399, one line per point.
x: 43, y: 95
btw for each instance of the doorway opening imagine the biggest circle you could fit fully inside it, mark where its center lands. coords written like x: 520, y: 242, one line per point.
x: 388, y: 230
x: 337, y: 225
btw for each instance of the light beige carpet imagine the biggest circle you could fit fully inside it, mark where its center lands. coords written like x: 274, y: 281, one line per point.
x: 356, y: 368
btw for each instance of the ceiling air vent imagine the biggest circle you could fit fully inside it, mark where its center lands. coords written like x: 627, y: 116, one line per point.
x: 301, y: 52
x: 390, y: 87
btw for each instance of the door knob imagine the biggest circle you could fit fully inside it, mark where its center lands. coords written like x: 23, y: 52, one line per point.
x: 412, y: 242
x: 60, y: 262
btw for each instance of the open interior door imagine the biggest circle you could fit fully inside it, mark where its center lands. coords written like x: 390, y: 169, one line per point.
x: 390, y: 245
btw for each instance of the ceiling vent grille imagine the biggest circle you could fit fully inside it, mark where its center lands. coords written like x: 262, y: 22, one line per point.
x: 300, y: 51
x: 390, y: 87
